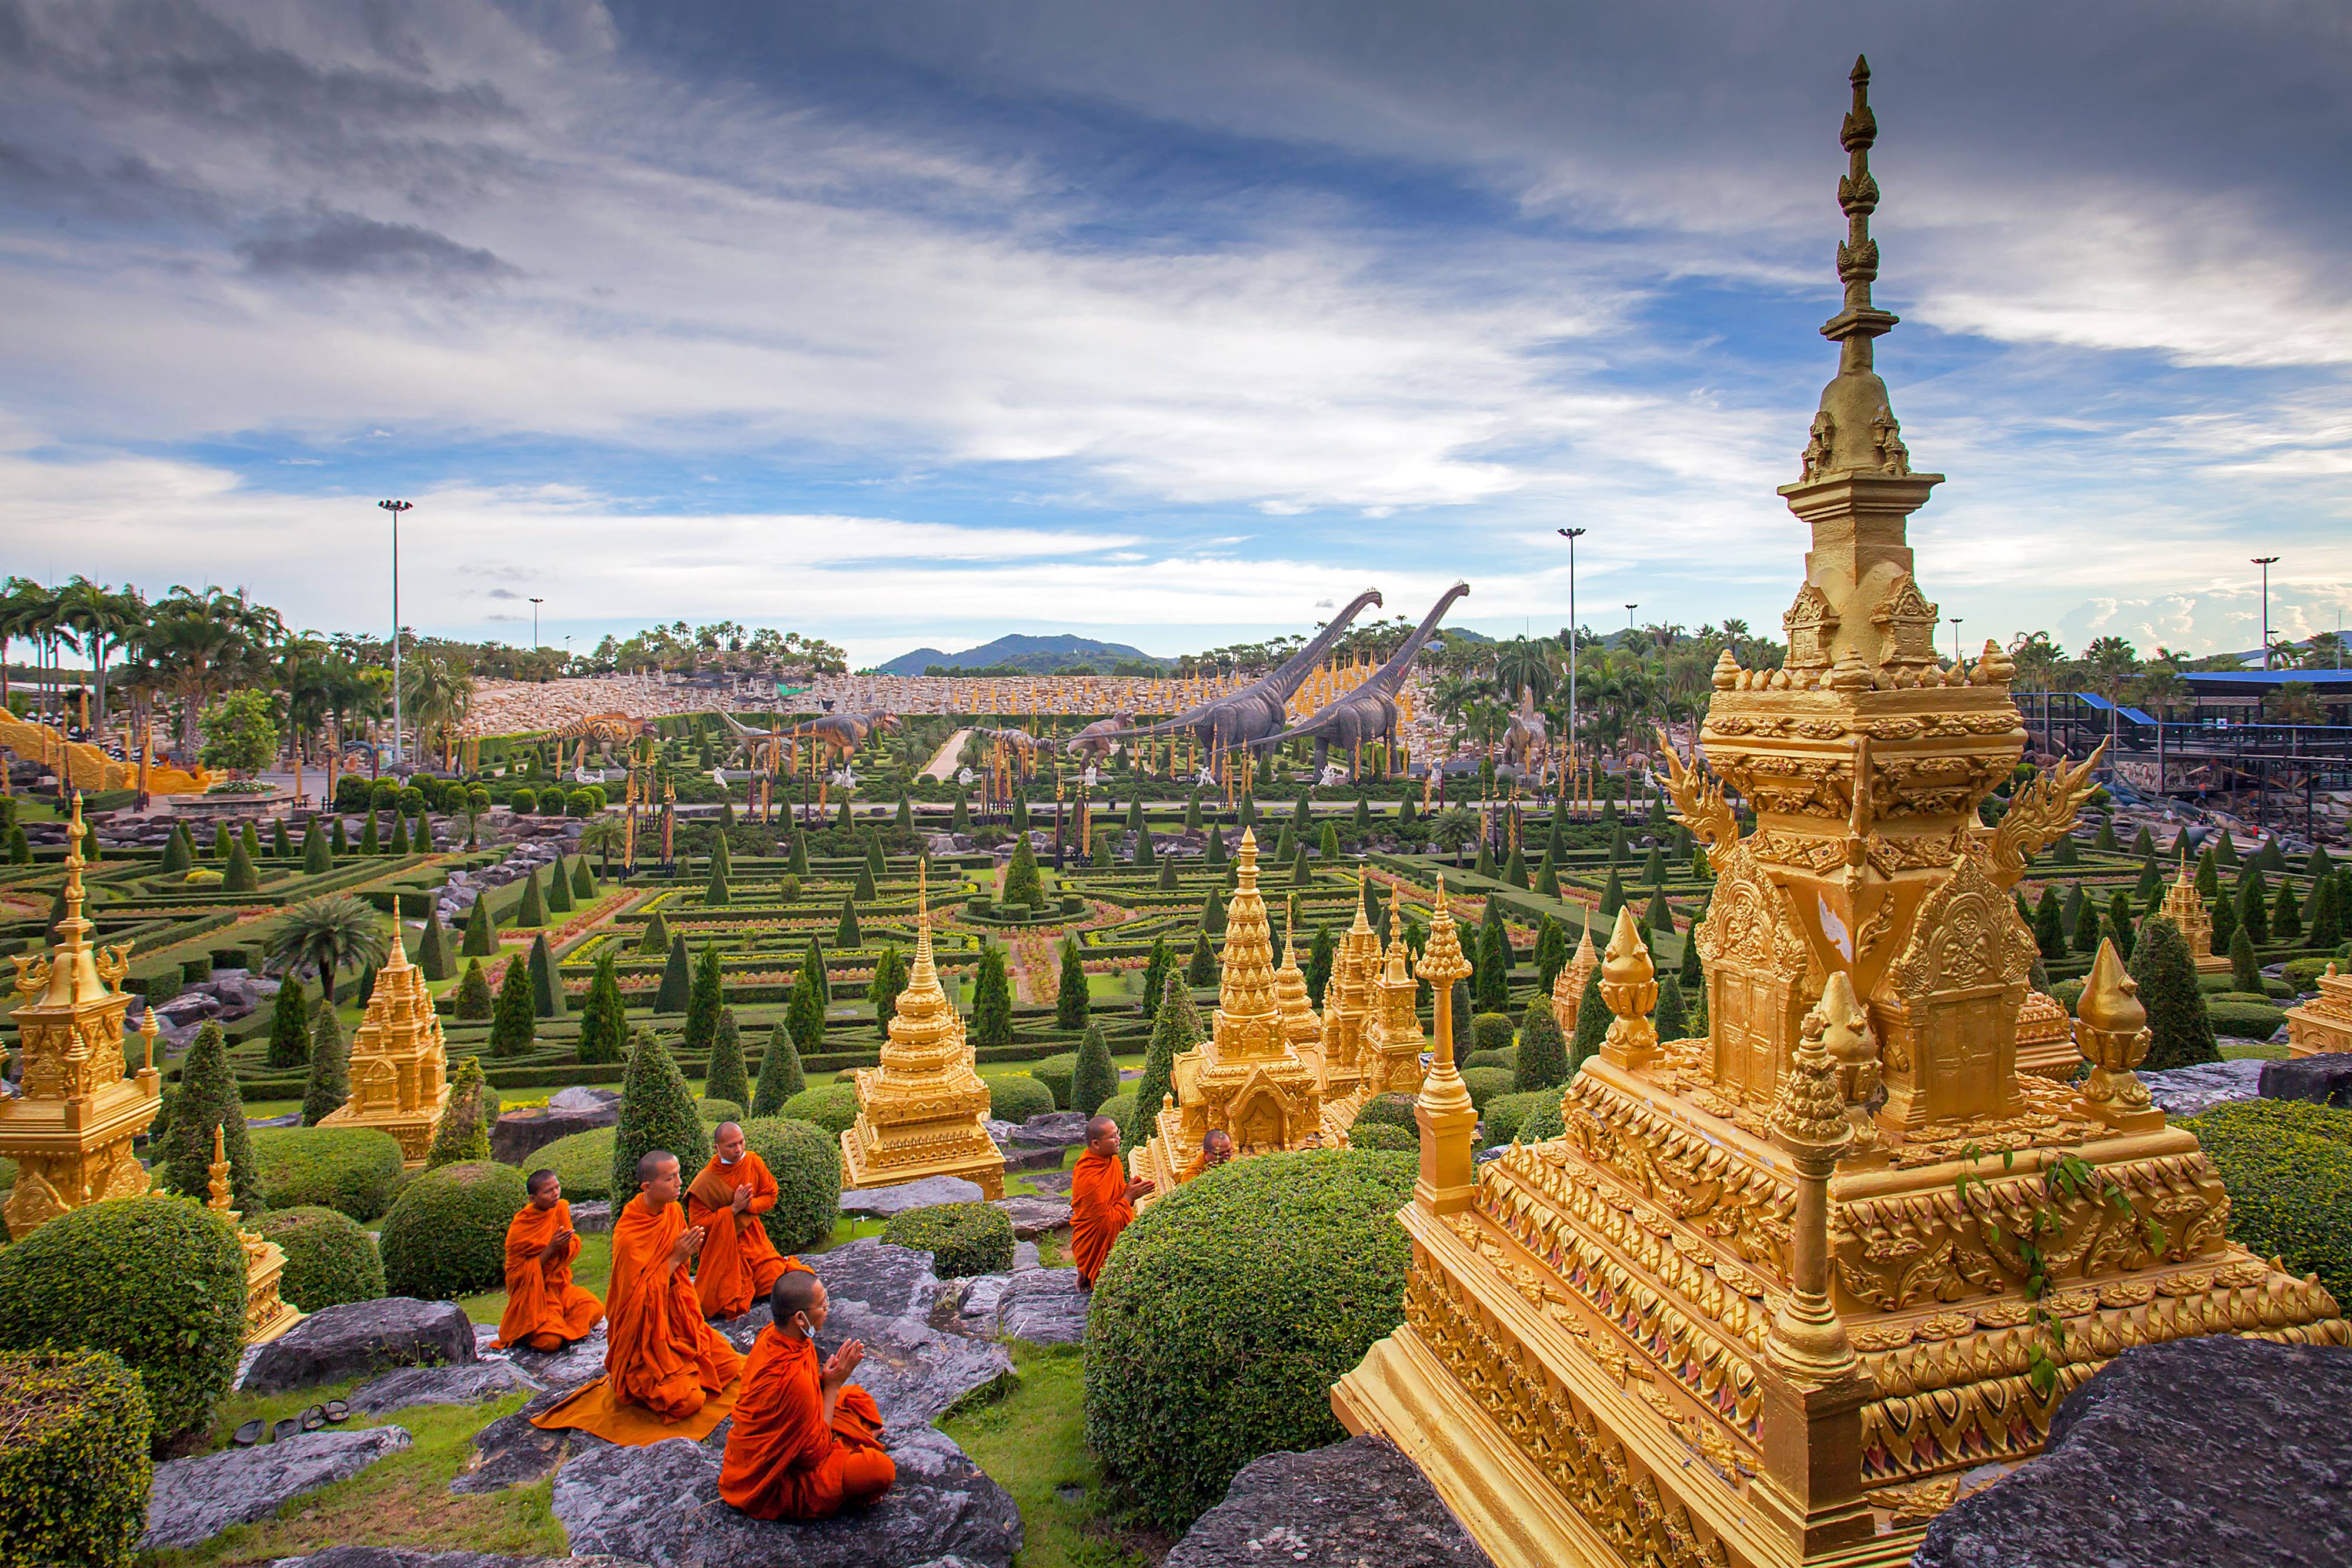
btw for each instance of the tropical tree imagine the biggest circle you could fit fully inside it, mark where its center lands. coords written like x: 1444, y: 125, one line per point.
x: 319, y: 935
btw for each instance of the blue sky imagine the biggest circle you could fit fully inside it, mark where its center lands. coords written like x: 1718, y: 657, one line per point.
x: 923, y: 322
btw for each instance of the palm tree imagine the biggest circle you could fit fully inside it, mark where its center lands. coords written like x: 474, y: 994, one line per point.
x: 335, y: 931
x: 605, y: 835
x: 1527, y: 664
x: 439, y: 689
x: 106, y: 621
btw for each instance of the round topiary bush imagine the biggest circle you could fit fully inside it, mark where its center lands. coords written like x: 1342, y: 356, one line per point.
x: 2244, y: 1019
x: 2287, y: 1166
x: 1506, y: 1060
x: 1057, y: 1073
x: 1280, y: 1272
x: 446, y: 1236
x: 1384, y: 1136
x: 1120, y: 1107
x: 1544, y: 1123
x: 1504, y: 1116
x: 833, y: 1106
x: 1018, y: 1099
x: 1396, y: 1110
x: 354, y: 1170
x: 158, y: 1281
x: 73, y: 1468
x: 1487, y: 1083
x: 715, y: 1111
x: 806, y: 1160
x: 963, y: 1238
x: 329, y: 1259
x: 584, y: 1161
x: 1491, y: 1031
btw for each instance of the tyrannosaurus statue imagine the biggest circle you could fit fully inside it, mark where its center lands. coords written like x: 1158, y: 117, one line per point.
x: 1368, y: 712
x: 1099, y: 742
x: 1258, y: 709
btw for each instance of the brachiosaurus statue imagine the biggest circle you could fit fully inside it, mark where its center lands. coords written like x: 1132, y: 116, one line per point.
x: 1368, y: 712
x: 841, y: 734
x: 1258, y: 709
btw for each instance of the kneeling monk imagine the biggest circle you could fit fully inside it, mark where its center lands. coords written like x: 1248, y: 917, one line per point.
x: 545, y: 1310
x: 807, y: 1442
x: 1102, y: 1200
x: 661, y: 1353
x: 740, y: 1264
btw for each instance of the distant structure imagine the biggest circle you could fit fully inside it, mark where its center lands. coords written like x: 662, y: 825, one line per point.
x: 400, y: 1065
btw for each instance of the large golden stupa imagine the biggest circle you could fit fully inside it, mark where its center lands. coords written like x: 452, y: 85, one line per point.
x: 1776, y: 1289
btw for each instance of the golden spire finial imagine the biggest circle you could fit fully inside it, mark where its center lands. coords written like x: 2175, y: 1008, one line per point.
x: 1442, y: 962
x: 218, y: 1172
x: 1363, y: 922
x: 2112, y: 1034
x: 1628, y: 988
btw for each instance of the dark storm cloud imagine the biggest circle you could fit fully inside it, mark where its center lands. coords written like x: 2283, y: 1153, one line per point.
x: 345, y: 245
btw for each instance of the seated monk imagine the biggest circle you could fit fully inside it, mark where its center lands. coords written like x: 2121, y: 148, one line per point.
x: 1215, y: 1150
x: 661, y: 1353
x: 806, y: 1442
x: 545, y: 1310
x: 1102, y: 1200
x: 739, y: 1265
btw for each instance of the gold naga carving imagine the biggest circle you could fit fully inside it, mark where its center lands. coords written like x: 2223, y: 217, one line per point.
x: 1699, y: 799
x: 2040, y: 812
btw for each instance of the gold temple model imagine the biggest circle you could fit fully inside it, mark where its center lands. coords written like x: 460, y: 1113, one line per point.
x: 267, y: 1313
x: 924, y: 1111
x: 400, y: 1067
x: 2186, y: 909
x: 2325, y: 1022
x: 1776, y: 1290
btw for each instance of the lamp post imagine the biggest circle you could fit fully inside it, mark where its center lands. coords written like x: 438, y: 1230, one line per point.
x: 535, y: 602
x: 395, y: 509
x: 2265, y: 562
x: 1628, y: 624
x: 1956, y: 640
x: 1571, y: 535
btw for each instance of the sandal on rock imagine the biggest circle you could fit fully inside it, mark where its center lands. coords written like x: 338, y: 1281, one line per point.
x: 247, y: 1435
x: 315, y: 1418
x: 337, y: 1412
x: 286, y: 1428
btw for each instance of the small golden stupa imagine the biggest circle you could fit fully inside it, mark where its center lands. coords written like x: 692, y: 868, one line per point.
x: 1766, y: 1301
x: 267, y: 1313
x: 2186, y: 910
x: 1568, y: 985
x: 1245, y: 1080
x: 1346, y: 1010
x: 2323, y: 1023
x: 924, y: 1112
x: 1301, y: 1026
x: 399, y: 1068
x: 70, y: 1130
x: 2045, y: 1039
x: 1390, y: 1063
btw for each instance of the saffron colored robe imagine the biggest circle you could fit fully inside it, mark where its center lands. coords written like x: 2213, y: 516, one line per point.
x: 659, y: 1352
x: 545, y: 1310
x: 783, y: 1460
x: 738, y: 1263
x: 1099, y: 1210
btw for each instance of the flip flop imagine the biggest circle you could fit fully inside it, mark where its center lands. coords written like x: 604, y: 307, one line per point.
x: 247, y: 1435
x: 337, y: 1412
x: 286, y: 1428
x: 314, y: 1418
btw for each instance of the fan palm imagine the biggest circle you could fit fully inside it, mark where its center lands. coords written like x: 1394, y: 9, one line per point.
x: 605, y: 835
x: 322, y: 935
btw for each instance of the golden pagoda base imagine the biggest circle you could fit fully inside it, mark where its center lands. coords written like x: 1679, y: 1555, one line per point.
x: 268, y: 1314
x: 2324, y: 1025
x: 73, y: 1152
x: 2045, y: 1039
x: 411, y: 1130
x: 974, y: 1159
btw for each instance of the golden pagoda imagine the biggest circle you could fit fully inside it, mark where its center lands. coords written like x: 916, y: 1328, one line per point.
x: 2045, y: 1039
x: 267, y: 1313
x: 1347, y: 1007
x: 1301, y: 1026
x: 924, y: 1112
x: 400, y: 1068
x: 2322, y: 1024
x: 1568, y: 985
x: 1390, y: 1063
x: 2186, y: 910
x: 1765, y: 1303
x: 1245, y: 1080
x: 71, y: 1129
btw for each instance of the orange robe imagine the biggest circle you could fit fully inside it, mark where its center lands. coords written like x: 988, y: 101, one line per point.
x: 783, y: 1461
x: 545, y: 1309
x: 1099, y: 1210
x: 738, y: 1263
x: 659, y: 1352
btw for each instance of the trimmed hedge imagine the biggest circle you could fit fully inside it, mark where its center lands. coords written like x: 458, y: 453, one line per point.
x: 2244, y: 1020
x: 1487, y: 1083
x: 963, y: 1238
x: 1120, y: 1108
x: 583, y: 1162
x: 806, y: 1160
x: 74, y: 1470
x: 1280, y: 1272
x: 1544, y: 1123
x: 2287, y: 1166
x: 1059, y: 1074
x: 833, y: 1106
x: 1016, y: 1098
x: 159, y: 1283
x: 447, y: 1236
x: 1396, y: 1110
x: 329, y: 1259
x: 715, y: 1111
x: 1381, y: 1135
x: 1506, y: 1060
x: 1491, y: 1031
x: 354, y: 1169
x: 1504, y: 1116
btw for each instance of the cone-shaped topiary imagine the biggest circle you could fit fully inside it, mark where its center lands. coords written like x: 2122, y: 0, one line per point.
x: 473, y: 993
x: 399, y: 845
x: 1096, y: 1078
x: 1022, y: 883
x: 2252, y: 905
x: 677, y: 978
x: 813, y: 967
x: 656, y: 936
x: 875, y: 862
x: 2119, y: 924
x: 2167, y: 989
x: 240, y: 876
x: 2086, y: 939
x: 726, y: 1079
x: 532, y: 911
x: 2048, y: 925
x: 804, y: 1014
x: 1490, y: 988
x: 2245, y: 969
x: 330, y: 1083
x: 370, y: 844
x: 603, y: 1015
x: 514, y: 1018
x: 882, y: 990
x: 2327, y: 915
x: 1212, y: 912
x: 656, y: 1112
x: 1215, y: 855
x: 209, y: 1098
x: 463, y: 1133
x: 864, y: 887
x: 584, y: 881
x: 715, y: 894
x: 704, y: 1001
x: 179, y: 854
x: 1673, y: 1019
x: 1166, y: 882
x: 796, y: 858
x: 2149, y: 892
x: 992, y: 1000
x: 1592, y: 1020
x: 1612, y: 895
x: 781, y: 1077
x: 1542, y: 1062
x: 1176, y: 1031
x: 845, y: 935
x: 2286, y: 914
x: 1660, y: 915
x: 559, y: 889
x: 481, y: 941
x: 1070, y: 1000
x: 433, y: 960
x: 1321, y: 954
x: 1201, y: 968
x: 546, y: 981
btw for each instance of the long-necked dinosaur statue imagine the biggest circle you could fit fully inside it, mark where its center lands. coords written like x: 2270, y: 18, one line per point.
x: 1368, y: 712
x: 841, y: 734
x: 1258, y: 709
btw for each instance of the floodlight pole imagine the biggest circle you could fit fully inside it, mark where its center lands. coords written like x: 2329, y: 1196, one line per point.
x: 1957, y: 657
x: 395, y: 509
x: 2265, y: 562
x: 535, y: 602
x: 1571, y: 535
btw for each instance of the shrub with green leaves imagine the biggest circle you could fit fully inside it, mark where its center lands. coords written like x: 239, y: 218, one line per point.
x: 781, y: 1076
x: 156, y: 1282
x: 1506, y: 1060
x: 963, y: 1238
x: 2245, y: 1020
x: 329, y: 1259
x: 446, y: 1236
x: 658, y: 1111
x: 1503, y: 1116
x: 208, y: 1097
x: 330, y: 1081
x: 833, y: 1106
x: 2287, y: 1166
x: 1097, y: 1077
x: 584, y: 1161
x: 1059, y: 1075
x: 2176, y: 1020
x: 1396, y: 1110
x: 806, y: 1160
x: 1544, y: 1123
x: 463, y: 1133
x: 74, y: 1471
x: 354, y: 1170
x: 1486, y: 1083
x: 1491, y: 1031
x: 1283, y: 1270
x: 1017, y: 1098
x: 1381, y: 1136
x: 1542, y: 1061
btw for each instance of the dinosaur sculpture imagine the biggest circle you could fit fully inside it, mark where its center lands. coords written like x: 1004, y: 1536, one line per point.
x: 840, y: 734
x: 1099, y: 742
x: 1019, y: 740
x: 606, y: 729
x: 1369, y: 712
x: 1526, y: 737
x: 1258, y: 709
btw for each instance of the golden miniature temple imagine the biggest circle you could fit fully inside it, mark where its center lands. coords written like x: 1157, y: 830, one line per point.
x: 267, y: 1313
x: 71, y: 1129
x: 1300, y: 1024
x: 1246, y: 1079
x: 1776, y: 1289
x: 400, y: 1068
x: 924, y: 1112
x: 2045, y: 1039
x: 2322, y: 1024
x: 2186, y: 910
x: 1567, y: 986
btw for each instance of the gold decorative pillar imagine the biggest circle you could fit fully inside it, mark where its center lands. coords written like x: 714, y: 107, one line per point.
x: 1629, y: 984
x: 266, y: 1315
x: 2111, y: 1032
x: 1449, y: 1122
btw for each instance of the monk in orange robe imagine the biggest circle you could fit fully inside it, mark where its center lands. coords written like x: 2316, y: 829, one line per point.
x: 806, y: 1442
x: 1215, y: 1150
x: 1102, y: 1200
x: 739, y: 1265
x: 660, y: 1352
x: 545, y: 1310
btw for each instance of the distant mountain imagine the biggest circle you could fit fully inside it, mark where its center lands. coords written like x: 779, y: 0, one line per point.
x: 1026, y: 655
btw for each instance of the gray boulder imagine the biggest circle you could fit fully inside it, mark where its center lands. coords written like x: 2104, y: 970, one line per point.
x: 1034, y: 1217
x: 361, y: 1337
x: 468, y: 1385
x: 402, y: 1557
x: 592, y: 1217
x: 575, y: 1363
x: 583, y: 1098
x: 882, y: 1202
x: 1360, y: 1502
x: 1053, y: 1130
x: 660, y: 1505
x: 2188, y: 1091
x: 1043, y: 1306
x: 193, y: 1500
x: 518, y: 1135
x: 2221, y: 1451
x: 2323, y: 1080
x: 511, y: 1452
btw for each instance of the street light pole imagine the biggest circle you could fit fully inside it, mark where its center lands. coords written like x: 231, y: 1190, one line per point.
x: 535, y: 603
x: 395, y: 509
x: 1571, y: 535
x: 1956, y: 640
x: 2265, y: 562
x: 1629, y: 623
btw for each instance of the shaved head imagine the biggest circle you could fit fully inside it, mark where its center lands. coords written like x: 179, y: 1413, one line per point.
x: 1098, y: 1125
x: 797, y: 1291
x: 650, y: 1163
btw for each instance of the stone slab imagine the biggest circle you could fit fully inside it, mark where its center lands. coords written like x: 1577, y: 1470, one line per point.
x: 511, y: 1452
x: 402, y: 1557
x: 1360, y: 1502
x: 1043, y: 1306
x: 195, y: 1499
x: 2186, y: 1090
x: 361, y: 1337
x: 592, y: 1217
x: 882, y: 1202
x: 469, y: 1385
x: 518, y: 1135
x: 2323, y: 1080
x: 1034, y: 1217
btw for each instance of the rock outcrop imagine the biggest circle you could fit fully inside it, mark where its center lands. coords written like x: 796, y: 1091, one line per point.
x: 193, y: 1500
x: 359, y: 1337
x: 1360, y: 1502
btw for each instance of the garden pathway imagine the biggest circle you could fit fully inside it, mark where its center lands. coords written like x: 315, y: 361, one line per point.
x: 942, y: 765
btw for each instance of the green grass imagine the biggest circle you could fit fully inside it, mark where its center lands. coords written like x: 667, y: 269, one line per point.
x: 2264, y: 1051
x: 1031, y: 1442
